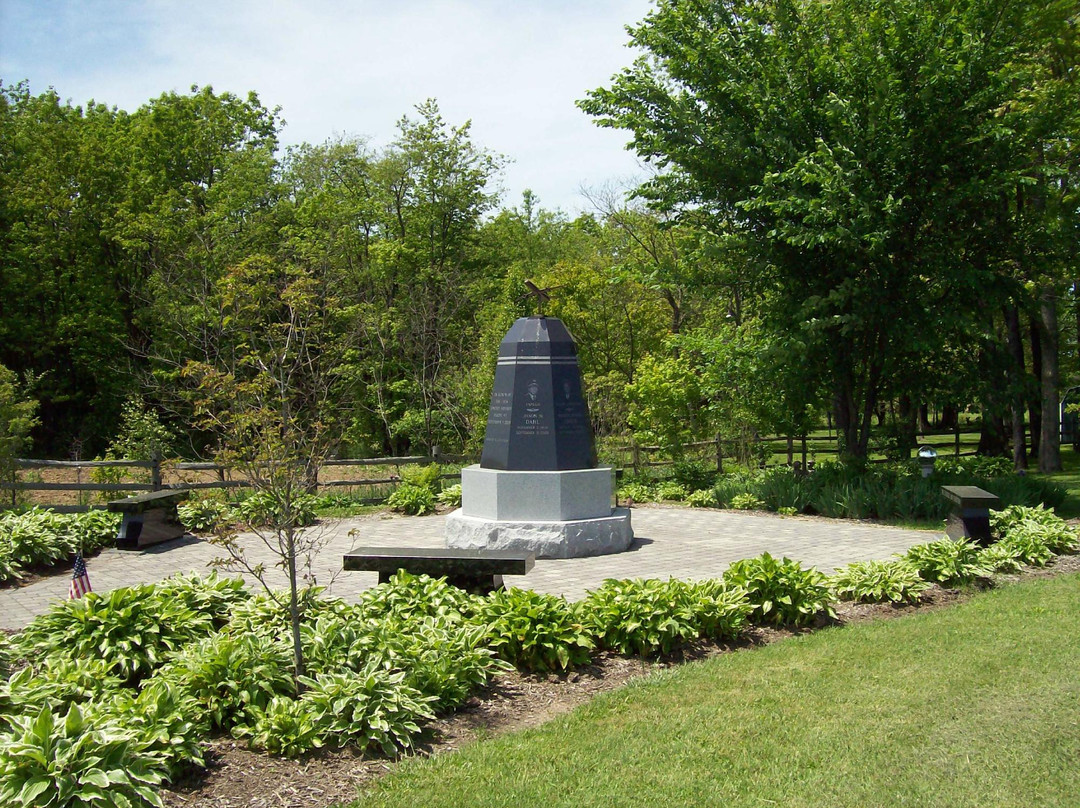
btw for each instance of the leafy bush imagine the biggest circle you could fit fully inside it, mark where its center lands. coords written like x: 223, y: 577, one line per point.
x: 1045, y: 525
x: 946, y: 562
x: 41, y: 537
x: 534, y: 631
x: 231, y: 678
x: 692, y: 475
x: 166, y: 721
x: 407, y: 596
x: 781, y: 592
x: 423, y: 477
x: 450, y: 497
x: 651, y: 616
x: 747, y: 502
x: 202, y: 515
x: 7, y: 656
x: 74, y: 763
x: 638, y: 492
x: 703, y: 498
x: 285, y: 727
x: 999, y: 558
x: 133, y: 629
x: 213, y: 596
x: 878, y: 581
x: 884, y: 491
x: 374, y: 709
x: 441, y: 656
x: 669, y: 490
x: 414, y: 500
x: 1026, y: 547
x: 56, y: 684
x: 265, y: 508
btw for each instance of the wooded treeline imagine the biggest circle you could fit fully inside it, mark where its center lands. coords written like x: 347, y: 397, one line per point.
x: 861, y: 209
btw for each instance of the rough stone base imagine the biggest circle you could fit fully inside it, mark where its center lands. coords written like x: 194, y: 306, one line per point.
x: 571, y: 539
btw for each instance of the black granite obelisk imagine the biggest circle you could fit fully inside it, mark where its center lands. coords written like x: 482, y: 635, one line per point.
x: 538, y: 419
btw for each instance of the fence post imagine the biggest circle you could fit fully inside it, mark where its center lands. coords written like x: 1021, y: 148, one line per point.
x: 958, y: 437
x: 14, y: 479
x: 719, y: 454
x: 155, y: 470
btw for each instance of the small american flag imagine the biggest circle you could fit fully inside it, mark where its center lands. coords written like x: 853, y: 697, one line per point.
x: 80, y: 580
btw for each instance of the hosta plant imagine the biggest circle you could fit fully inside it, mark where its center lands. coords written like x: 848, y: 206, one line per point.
x: 669, y: 490
x: 285, y: 727
x: 231, y: 678
x: 450, y: 497
x: 411, y: 499
x: 213, y: 596
x: 781, y: 591
x: 638, y: 492
x: 1035, y: 524
x: 747, y: 502
x: 536, y: 632
x: 406, y: 595
x: 69, y: 762
x: 134, y: 629
x: 652, y: 616
x: 946, y: 562
x: 895, y: 581
x: 287, y: 508
x: 56, y: 684
x: 999, y: 557
x: 371, y: 710
x: 163, y: 718
x: 1027, y: 547
x: 702, y: 498
x: 202, y: 515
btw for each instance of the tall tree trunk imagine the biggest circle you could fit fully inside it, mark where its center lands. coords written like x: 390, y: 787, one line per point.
x: 924, y: 419
x: 1034, y: 400
x: 992, y: 435
x: 950, y: 416
x: 1050, y: 440
x: 1016, y: 383
x: 1076, y: 312
x: 906, y: 426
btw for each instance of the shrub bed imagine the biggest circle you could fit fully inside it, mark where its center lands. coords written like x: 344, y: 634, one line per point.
x: 141, y: 676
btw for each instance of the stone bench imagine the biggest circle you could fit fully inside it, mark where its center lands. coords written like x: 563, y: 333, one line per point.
x: 970, y: 518
x: 149, y: 518
x: 471, y: 570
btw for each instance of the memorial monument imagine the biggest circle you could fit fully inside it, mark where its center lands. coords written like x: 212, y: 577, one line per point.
x: 537, y: 486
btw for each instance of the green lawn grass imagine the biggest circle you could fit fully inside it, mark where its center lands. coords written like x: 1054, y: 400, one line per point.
x: 974, y: 705
x: 1070, y: 478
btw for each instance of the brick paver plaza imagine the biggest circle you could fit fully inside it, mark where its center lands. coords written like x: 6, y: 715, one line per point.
x: 670, y: 542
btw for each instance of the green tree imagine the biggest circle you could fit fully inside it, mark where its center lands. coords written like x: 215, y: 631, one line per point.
x: 859, y: 150
x: 17, y: 419
x: 269, y: 393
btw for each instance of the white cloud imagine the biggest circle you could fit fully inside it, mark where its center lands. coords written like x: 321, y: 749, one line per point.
x: 355, y: 68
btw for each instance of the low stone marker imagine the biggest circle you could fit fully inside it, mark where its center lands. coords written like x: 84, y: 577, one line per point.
x: 149, y: 518
x: 472, y: 570
x: 970, y: 518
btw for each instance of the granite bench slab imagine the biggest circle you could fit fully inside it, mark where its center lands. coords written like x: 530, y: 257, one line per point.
x: 473, y: 570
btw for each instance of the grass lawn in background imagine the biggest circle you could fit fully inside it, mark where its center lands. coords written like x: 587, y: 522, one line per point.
x: 1070, y: 478
x: 972, y: 705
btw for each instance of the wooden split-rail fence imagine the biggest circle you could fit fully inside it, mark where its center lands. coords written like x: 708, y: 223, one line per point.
x: 169, y: 474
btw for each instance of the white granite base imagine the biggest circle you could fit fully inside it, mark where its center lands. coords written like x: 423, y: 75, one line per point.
x: 574, y: 538
x: 536, y: 496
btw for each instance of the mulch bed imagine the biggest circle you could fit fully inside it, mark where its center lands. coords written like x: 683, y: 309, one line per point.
x: 239, y: 778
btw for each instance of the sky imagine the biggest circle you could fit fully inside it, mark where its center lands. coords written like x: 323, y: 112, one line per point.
x: 335, y: 68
